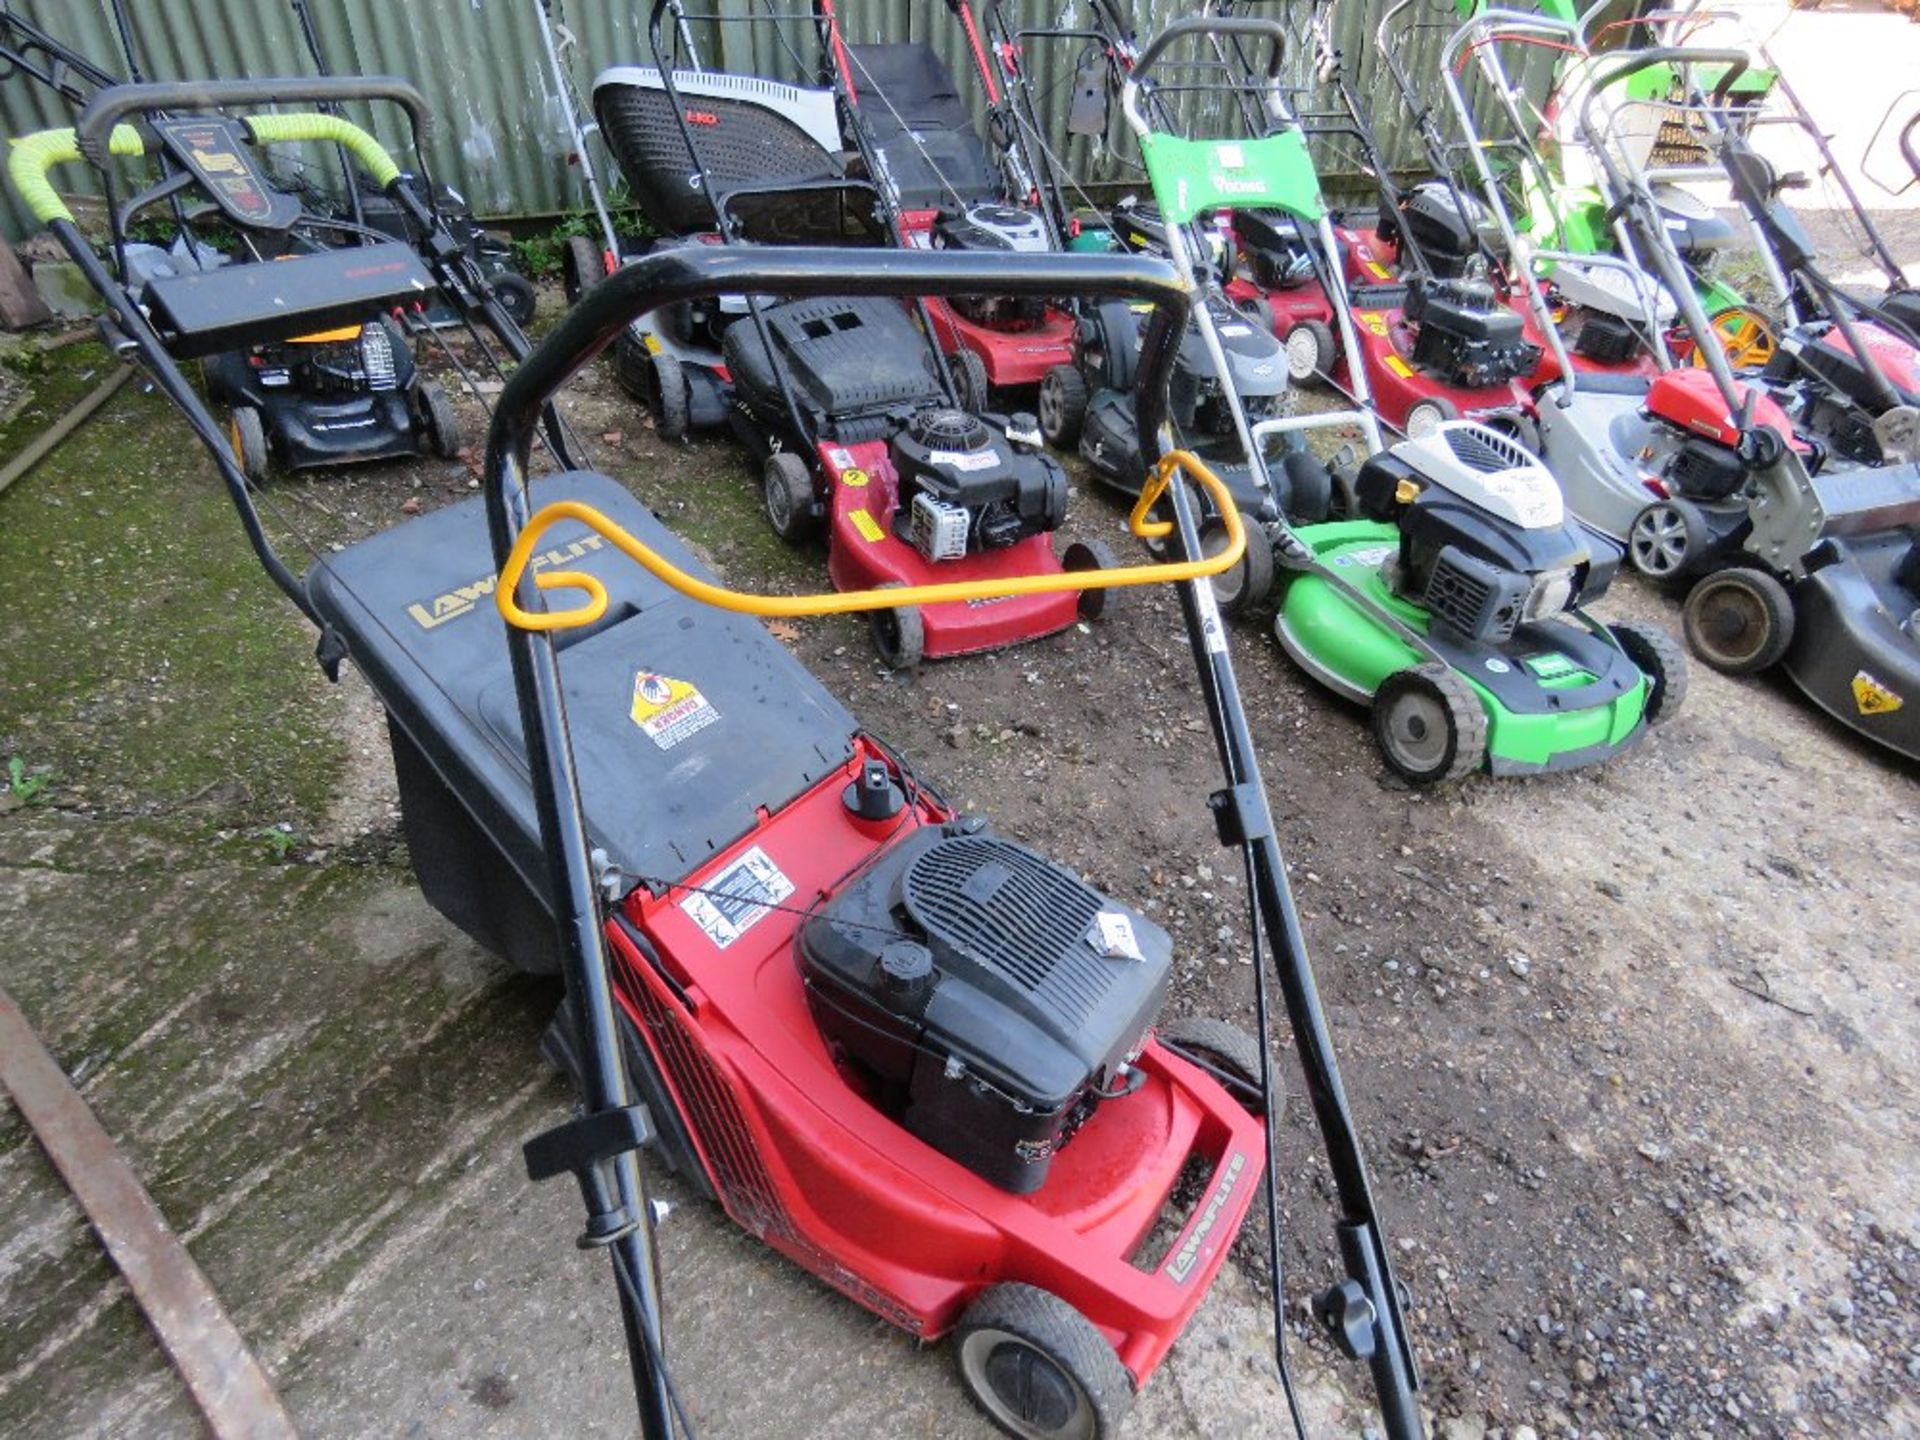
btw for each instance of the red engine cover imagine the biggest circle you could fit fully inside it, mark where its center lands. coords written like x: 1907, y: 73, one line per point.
x: 1896, y: 358
x: 1691, y: 400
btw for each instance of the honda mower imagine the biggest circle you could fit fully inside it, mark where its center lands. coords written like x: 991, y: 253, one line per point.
x: 945, y: 191
x: 912, y: 1055
x: 855, y: 420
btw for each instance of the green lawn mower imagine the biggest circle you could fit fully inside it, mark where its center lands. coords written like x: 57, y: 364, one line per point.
x: 1452, y: 603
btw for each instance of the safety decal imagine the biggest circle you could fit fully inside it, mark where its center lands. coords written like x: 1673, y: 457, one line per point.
x: 1399, y: 367
x: 840, y: 459
x: 735, y: 900
x: 669, y: 710
x: 854, y: 477
x: 868, y: 527
x: 1873, y: 697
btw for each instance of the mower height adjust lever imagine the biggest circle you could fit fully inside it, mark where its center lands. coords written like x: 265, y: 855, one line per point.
x: 584, y: 1146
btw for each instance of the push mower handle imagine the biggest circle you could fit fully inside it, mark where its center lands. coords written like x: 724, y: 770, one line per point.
x: 1736, y: 61
x: 1910, y: 143
x: 96, y: 122
x: 700, y: 272
x: 1248, y: 27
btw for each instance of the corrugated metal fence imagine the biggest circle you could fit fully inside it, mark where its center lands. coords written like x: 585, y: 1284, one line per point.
x: 502, y: 136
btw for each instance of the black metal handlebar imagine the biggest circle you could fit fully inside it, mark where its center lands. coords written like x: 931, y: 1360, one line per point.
x: 1249, y: 26
x: 95, y: 125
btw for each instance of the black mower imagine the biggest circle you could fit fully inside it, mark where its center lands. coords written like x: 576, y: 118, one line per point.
x: 913, y: 1056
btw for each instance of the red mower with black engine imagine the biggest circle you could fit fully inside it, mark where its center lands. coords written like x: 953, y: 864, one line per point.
x: 920, y: 1060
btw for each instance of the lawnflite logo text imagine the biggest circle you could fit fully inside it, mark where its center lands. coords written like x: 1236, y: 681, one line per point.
x: 1180, y: 1264
x: 456, y: 602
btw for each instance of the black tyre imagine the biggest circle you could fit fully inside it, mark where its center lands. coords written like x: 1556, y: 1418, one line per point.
x: 248, y: 435
x: 1662, y: 660
x: 1739, y: 621
x: 1667, y: 539
x: 899, y: 634
x: 1259, y: 310
x: 786, y: 494
x: 1091, y: 555
x: 581, y: 267
x: 970, y: 385
x: 1063, y: 406
x: 1426, y: 416
x: 1038, y: 1368
x: 1226, y: 1049
x: 442, y: 424
x: 633, y: 367
x: 516, y: 296
x: 1311, y: 351
x: 1429, y: 725
x: 670, y: 398
x: 1239, y: 589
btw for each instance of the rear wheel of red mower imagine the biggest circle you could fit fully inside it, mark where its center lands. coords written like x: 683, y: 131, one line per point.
x: 581, y: 267
x: 248, y: 436
x: 1240, y: 588
x: 1039, y: 1368
x: 1659, y: 657
x: 1428, y: 416
x: 899, y: 634
x: 1429, y: 725
x: 1310, y: 353
x: 786, y: 494
x: 1227, y: 1050
x: 442, y: 424
x: 1666, y: 539
x: 1091, y: 555
x: 970, y: 385
x: 1739, y: 620
x: 1063, y: 406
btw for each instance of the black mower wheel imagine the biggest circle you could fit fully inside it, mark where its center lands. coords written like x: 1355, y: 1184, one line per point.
x: 1091, y: 555
x: 1063, y: 406
x: 786, y: 494
x: 1038, y: 1368
x: 1661, y: 659
x: 1739, y: 620
x: 970, y: 385
x: 1259, y: 310
x: 442, y: 424
x: 1426, y: 416
x: 1225, y: 1049
x: 1309, y: 487
x: 1429, y: 725
x: 1666, y: 539
x: 1239, y: 589
x: 899, y: 634
x: 670, y: 398
x: 516, y: 296
x: 633, y: 367
x: 1311, y: 351
x: 581, y: 267
x: 248, y: 435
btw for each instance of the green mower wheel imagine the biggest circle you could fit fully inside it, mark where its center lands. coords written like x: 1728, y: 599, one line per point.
x: 1429, y: 725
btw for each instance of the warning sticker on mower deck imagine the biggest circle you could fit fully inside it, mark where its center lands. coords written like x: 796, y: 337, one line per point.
x: 735, y: 900
x: 866, y: 525
x: 1873, y: 697
x: 669, y: 710
x: 964, y: 459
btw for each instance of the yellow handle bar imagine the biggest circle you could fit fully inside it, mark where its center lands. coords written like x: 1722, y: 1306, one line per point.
x: 842, y: 602
x: 34, y: 155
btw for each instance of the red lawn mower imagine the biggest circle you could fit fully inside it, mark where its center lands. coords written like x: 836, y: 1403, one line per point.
x: 948, y: 192
x: 914, y: 1056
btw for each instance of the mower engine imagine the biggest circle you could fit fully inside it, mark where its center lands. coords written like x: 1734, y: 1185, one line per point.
x: 985, y: 998
x: 1275, y: 251
x: 1256, y: 369
x: 1444, y: 226
x: 1466, y: 337
x: 995, y: 227
x: 1712, y: 454
x: 1485, y: 542
x: 360, y: 360
x: 963, y: 489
